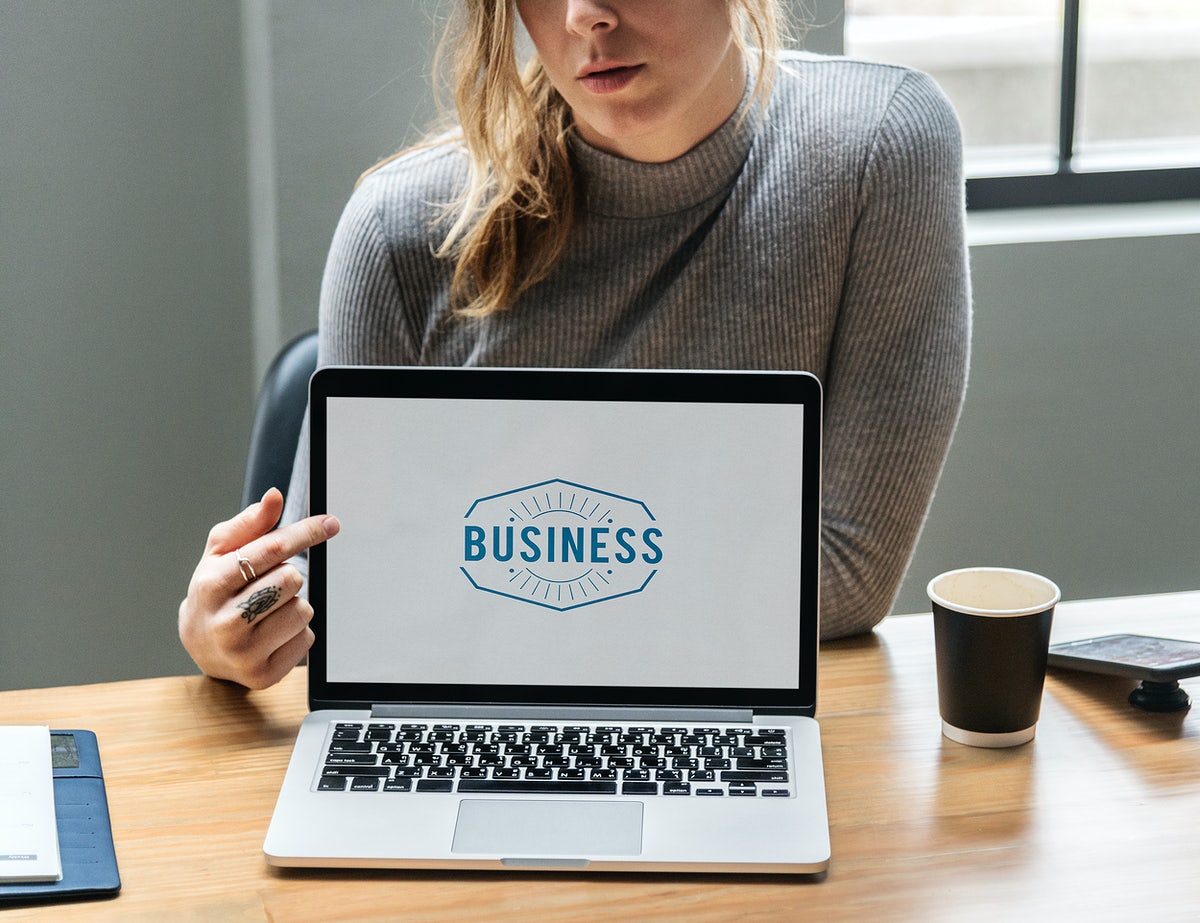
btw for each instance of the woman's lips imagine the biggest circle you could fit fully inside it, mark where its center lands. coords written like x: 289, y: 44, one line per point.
x: 611, y: 79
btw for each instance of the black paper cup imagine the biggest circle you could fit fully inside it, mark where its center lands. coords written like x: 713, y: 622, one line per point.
x: 991, y: 628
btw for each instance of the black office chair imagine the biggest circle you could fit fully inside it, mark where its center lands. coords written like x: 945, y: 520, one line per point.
x: 278, y: 416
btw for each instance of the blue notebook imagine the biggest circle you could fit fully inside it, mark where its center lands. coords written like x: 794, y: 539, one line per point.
x: 85, y: 842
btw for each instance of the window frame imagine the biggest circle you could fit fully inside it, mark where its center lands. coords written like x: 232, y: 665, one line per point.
x: 1065, y: 184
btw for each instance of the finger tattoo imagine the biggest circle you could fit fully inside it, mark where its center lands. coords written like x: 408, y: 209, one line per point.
x: 260, y: 601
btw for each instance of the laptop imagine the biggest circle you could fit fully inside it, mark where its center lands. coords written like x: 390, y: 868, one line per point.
x: 570, y: 622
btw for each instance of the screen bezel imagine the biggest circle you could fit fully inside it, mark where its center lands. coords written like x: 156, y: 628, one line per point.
x: 575, y: 385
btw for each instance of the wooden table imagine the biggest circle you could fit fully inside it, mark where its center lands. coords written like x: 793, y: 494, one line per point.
x: 1097, y: 819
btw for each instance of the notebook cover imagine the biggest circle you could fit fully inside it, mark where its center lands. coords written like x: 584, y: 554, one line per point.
x: 85, y: 841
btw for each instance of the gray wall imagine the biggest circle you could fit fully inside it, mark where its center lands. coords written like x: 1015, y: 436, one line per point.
x: 125, y: 367
x: 1078, y: 452
x: 169, y: 177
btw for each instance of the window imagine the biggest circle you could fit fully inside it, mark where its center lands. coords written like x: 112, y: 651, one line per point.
x: 1062, y: 101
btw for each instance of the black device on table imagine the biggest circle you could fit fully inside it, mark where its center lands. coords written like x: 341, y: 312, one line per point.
x: 1160, y: 663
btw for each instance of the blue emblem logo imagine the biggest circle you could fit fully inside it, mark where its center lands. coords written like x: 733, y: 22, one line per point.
x: 560, y: 545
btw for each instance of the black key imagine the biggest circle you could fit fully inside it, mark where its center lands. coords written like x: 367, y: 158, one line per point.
x: 676, y: 788
x: 761, y: 764
x: 761, y: 775
x: 378, y: 772
x: 639, y: 788
x: 351, y: 759
x: 350, y: 746
x: 365, y: 785
x: 435, y: 785
x: 398, y: 785
x: 749, y: 789
x: 710, y: 791
x: 536, y: 786
x: 332, y: 784
x: 775, y: 793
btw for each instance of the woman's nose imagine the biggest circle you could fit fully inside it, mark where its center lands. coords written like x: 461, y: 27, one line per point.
x: 587, y: 16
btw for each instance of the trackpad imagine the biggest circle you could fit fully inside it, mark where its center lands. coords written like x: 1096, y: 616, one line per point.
x: 513, y: 829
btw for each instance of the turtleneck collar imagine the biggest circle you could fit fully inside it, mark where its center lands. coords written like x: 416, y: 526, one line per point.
x: 620, y: 188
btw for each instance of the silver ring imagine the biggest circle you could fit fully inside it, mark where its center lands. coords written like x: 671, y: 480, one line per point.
x: 245, y: 567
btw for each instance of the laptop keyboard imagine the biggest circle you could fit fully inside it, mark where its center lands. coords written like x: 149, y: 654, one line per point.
x: 575, y: 759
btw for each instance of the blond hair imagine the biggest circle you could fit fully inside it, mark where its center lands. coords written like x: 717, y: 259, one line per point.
x: 511, y: 222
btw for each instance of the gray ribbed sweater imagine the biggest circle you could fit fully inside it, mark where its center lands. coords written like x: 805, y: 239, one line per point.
x: 826, y: 236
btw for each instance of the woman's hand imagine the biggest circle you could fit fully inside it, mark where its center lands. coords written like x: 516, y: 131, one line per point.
x: 242, y: 619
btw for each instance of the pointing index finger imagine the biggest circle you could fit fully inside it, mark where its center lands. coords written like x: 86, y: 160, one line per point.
x: 279, y: 546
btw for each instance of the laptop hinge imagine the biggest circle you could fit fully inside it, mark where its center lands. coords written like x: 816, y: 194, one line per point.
x: 564, y: 713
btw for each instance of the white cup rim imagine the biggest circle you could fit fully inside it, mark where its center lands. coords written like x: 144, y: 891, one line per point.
x: 1030, y: 581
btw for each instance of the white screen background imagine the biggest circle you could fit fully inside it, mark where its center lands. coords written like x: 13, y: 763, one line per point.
x: 723, y: 482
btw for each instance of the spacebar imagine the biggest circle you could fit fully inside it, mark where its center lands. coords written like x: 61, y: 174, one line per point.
x: 536, y: 787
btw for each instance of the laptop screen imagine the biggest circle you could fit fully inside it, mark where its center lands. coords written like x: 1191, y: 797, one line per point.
x: 599, y: 537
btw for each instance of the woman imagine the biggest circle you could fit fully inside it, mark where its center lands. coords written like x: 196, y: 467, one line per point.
x: 663, y: 188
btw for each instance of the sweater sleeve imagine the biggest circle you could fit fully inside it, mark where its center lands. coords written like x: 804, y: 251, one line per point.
x: 898, y: 364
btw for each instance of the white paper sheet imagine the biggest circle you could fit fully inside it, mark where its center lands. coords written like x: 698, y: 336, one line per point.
x: 28, y: 827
